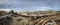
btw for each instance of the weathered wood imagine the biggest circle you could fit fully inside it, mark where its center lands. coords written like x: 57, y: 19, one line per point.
x: 48, y: 20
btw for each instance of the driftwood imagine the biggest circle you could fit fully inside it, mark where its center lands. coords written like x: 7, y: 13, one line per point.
x: 32, y: 20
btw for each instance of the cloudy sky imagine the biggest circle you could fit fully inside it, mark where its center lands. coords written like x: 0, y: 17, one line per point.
x: 30, y: 5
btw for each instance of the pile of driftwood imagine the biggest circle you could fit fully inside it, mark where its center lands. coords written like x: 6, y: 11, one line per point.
x: 27, y: 20
x: 34, y: 20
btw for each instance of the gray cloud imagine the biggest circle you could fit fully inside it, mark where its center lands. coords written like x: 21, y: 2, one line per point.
x: 30, y: 4
x: 3, y: 5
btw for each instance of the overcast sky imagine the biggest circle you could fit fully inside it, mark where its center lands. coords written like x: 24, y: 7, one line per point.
x: 30, y: 5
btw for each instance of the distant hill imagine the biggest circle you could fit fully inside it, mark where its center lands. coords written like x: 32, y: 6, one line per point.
x: 3, y: 13
x: 57, y: 11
